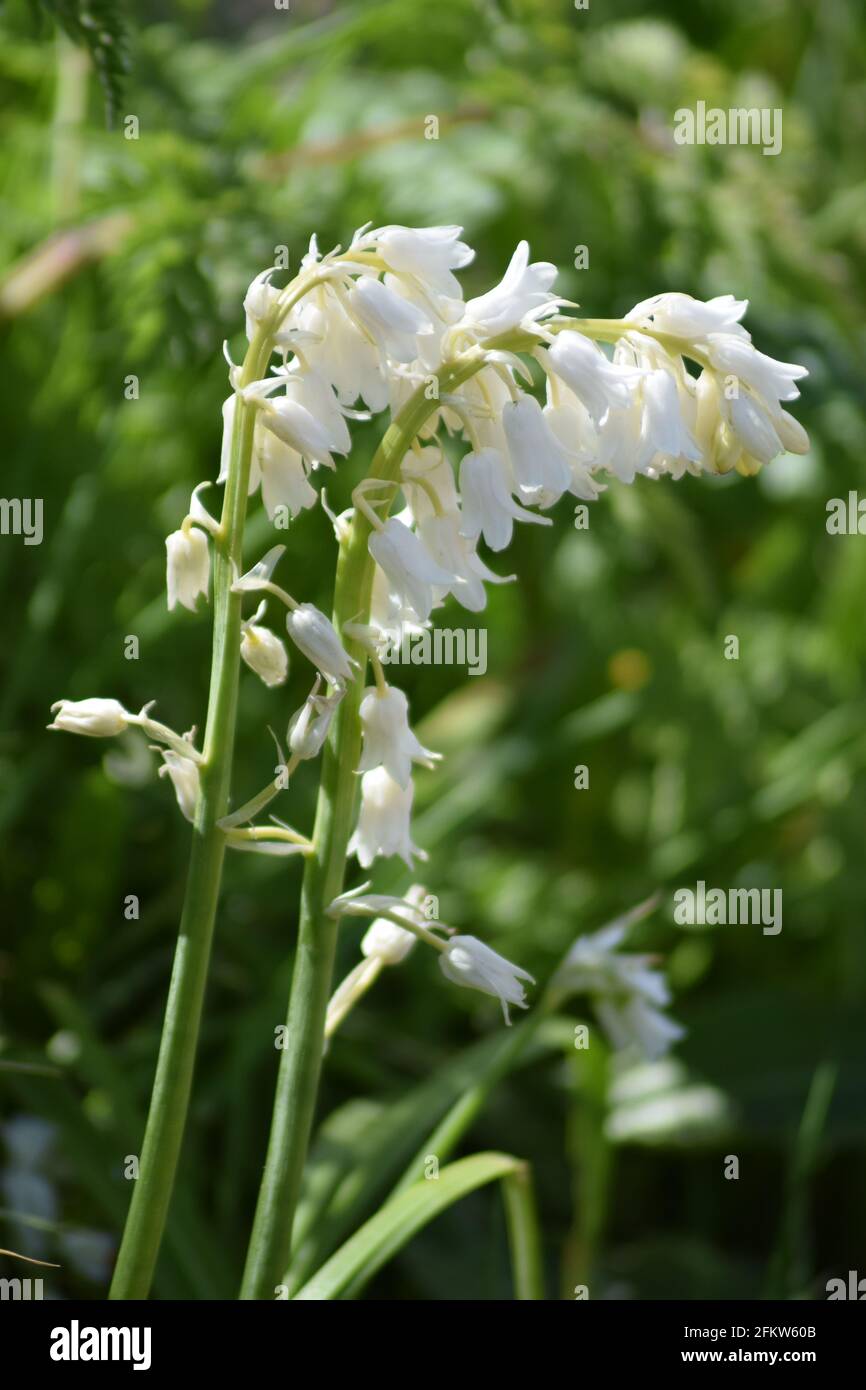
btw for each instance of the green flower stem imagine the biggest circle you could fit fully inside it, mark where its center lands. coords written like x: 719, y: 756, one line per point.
x: 169, y: 1101
x: 523, y: 1234
x: 300, y: 1061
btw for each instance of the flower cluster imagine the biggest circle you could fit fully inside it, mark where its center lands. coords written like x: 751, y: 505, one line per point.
x: 508, y: 403
x: 369, y: 326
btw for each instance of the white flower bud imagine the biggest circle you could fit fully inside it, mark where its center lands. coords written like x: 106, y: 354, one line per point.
x: 187, y: 567
x: 314, y: 635
x: 309, y: 726
x: 184, y: 776
x: 265, y: 654
x: 95, y: 717
x: 387, y: 941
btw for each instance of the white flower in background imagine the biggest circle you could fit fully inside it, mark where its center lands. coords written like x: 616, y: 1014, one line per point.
x: 541, y: 467
x: 388, y: 740
x: 383, y: 821
x: 467, y: 961
x: 95, y: 717
x: 184, y: 776
x: 598, y: 383
x: 315, y: 636
x: 263, y: 651
x: 489, y: 510
x: 309, y: 726
x: 629, y: 994
x: 187, y: 566
x: 410, y: 569
x: 523, y: 292
x: 637, y: 1023
x: 428, y: 253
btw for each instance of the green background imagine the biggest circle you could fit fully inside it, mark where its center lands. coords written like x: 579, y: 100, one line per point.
x: 130, y: 257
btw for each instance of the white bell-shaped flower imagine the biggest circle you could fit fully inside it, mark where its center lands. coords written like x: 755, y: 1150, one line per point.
x: 283, y: 475
x: 411, y: 571
x: 469, y: 962
x: 294, y: 425
x: 384, y: 820
x: 489, y: 510
x: 524, y: 291
x: 428, y: 253
x: 390, y: 319
x: 187, y: 566
x: 541, y: 467
x: 457, y: 557
x: 601, y: 385
x: 664, y: 437
x: 388, y: 740
x: 736, y: 356
x: 681, y: 316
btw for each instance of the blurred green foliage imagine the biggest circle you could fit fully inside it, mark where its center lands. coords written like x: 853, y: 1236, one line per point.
x: 129, y: 257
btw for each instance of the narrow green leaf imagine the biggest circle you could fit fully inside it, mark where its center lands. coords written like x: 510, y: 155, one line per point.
x: 394, y: 1225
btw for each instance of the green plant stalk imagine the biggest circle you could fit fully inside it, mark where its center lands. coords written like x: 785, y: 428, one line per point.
x: 523, y: 1235
x: 169, y: 1103
x: 300, y: 1061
